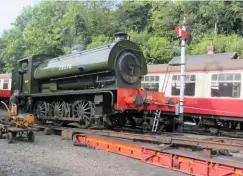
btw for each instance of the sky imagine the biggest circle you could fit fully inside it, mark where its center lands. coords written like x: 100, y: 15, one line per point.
x: 10, y: 9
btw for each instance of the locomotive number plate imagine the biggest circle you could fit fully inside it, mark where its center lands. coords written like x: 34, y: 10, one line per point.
x: 65, y: 67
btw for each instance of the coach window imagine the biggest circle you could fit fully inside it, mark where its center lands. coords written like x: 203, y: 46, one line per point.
x: 146, y: 78
x: 190, y: 83
x: 226, y: 85
x: 5, y: 84
x: 151, y: 83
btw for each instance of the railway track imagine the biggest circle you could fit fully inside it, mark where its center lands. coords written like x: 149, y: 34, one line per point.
x: 210, y: 145
x: 216, y: 132
x: 208, y: 155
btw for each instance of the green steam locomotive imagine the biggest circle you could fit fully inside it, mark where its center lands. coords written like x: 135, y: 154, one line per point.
x: 82, y: 86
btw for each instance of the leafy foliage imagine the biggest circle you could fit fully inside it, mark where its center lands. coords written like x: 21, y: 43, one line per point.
x: 232, y: 43
x: 54, y: 27
x: 99, y: 40
x: 156, y: 49
x: 43, y: 33
x: 14, y: 48
x: 133, y: 15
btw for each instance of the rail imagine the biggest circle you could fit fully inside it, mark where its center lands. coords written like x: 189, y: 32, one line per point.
x: 171, y: 139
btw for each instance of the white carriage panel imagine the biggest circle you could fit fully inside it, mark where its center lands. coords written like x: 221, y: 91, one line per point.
x: 208, y: 79
x: 5, y: 79
x: 209, y: 83
x: 199, y: 86
x: 10, y: 84
x: 168, y: 87
x: 1, y: 84
x: 151, y: 82
x: 190, y: 80
x: 5, y: 84
x: 167, y: 84
x: 220, y: 72
x: 161, y: 81
x: 241, y: 86
x: 164, y: 83
x: 205, y: 85
x: 241, y: 81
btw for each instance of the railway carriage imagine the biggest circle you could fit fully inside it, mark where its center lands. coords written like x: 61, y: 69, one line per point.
x: 213, y: 90
x: 5, y: 87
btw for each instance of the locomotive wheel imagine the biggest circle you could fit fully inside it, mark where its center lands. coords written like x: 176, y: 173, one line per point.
x: 40, y: 110
x: 1, y: 134
x: 83, y: 110
x: 66, y: 109
x: 57, y: 111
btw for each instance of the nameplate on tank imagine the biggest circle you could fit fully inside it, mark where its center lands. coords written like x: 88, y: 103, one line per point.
x: 65, y: 67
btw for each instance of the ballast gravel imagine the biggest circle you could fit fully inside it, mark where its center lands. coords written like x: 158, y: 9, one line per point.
x: 52, y: 156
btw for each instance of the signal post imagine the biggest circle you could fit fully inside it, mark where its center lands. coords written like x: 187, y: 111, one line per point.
x: 183, y: 35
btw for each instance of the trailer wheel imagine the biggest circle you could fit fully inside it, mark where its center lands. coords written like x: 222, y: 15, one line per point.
x: 31, y: 136
x: 14, y: 134
x: 9, y: 137
x: 1, y: 134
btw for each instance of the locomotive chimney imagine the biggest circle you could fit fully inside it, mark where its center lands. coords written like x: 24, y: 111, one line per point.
x: 211, y: 49
x: 120, y: 36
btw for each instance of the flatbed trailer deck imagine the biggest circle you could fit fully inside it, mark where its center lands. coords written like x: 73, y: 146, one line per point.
x: 13, y: 133
x: 192, y: 163
x: 168, y: 150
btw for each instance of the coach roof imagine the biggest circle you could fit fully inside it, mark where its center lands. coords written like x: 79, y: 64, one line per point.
x: 5, y: 75
x: 204, y: 58
x: 235, y: 64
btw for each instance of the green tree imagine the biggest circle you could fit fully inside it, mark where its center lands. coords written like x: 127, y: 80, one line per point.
x: 44, y: 32
x: 99, y: 40
x: 99, y: 18
x: 155, y: 49
x: 23, y: 19
x: 14, y: 48
x: 203, y: 17
x: 74, y: 26
x: 133, y: 15
x: 54, y: 27
x: 2, y: 46
x: 165, y: 16
x: 223, y: 43
x: 12, y: 43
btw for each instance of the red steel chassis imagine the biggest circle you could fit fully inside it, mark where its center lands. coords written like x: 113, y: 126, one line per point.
x: 176, y: 161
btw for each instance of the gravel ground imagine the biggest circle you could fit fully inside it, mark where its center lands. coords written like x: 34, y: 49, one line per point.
x: 52, y: 156
x: 3, y: 113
